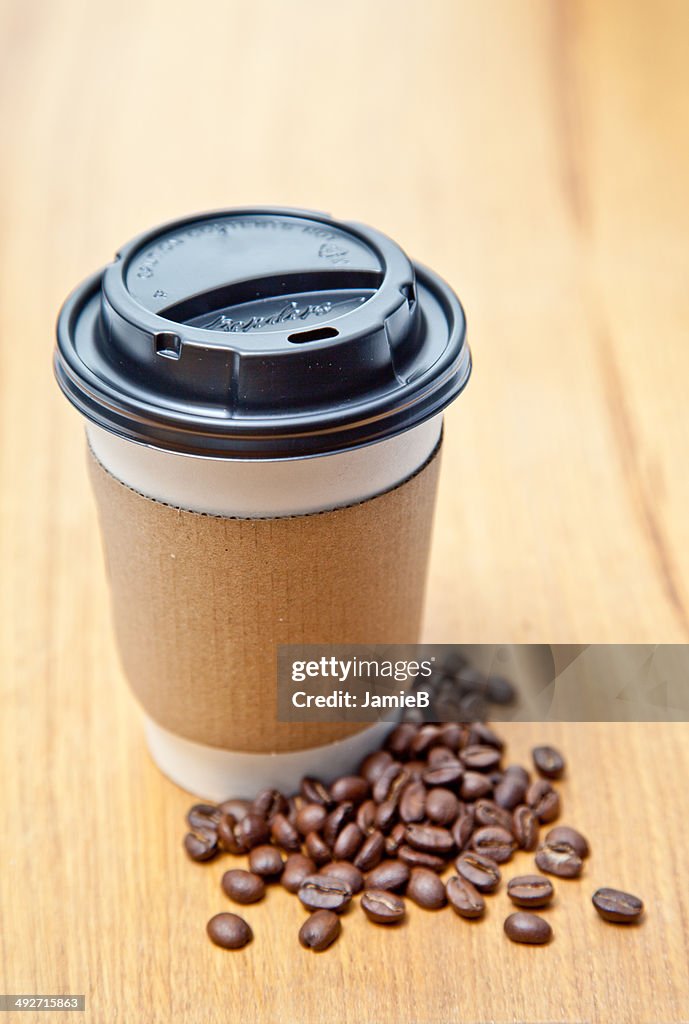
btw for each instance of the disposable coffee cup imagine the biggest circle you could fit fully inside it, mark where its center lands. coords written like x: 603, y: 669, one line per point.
x: 263, y: 392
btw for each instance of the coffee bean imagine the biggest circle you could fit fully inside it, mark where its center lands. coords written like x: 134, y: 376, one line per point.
x: 543, y: 800
x: 548, y: 762
x: 394, y: 841
x: 565, y: 834
x: 371, y: 852
x: 336, y: 821
x: 348, y: 842
x: 412, y: 805
x: 315, y: 792
x: 618, y: 907
x: 452, y: 736
x: 229, y: 931
x: 201, y: 844
x: 243, y: 886
x: 426, y: 889
x: 372, y: 767
x: 495, y: 842
x: 321, y: 892
x: 445, y: 774
x: 293, y: 804
x: 426, y: 737
x: 520, y: 772
x: 317, y: 849
x: 237, y: 808
x: 268, y: 803
x: 482, y: 734
x: 472, y: 707
x: 390, y: 874
x: 442, y: 806
x: 474, y: 785
x: 525, y: 827
x: 350, y: 788
x: 400, y: 739
x: 230, y: 838
x: 530, y: 890
x: 266, y: 861
x: 418, y: 859
x: 415, y: 770
x: 296, y: 869
x: 559, y: 859
x: 346, y: 872
x: 481, y: 871
x: 528, y: 928
x: 471, y: 680
x: 463, y: 828
x: 429, y: 838
x: 480, y: 757
x: 253, y: 829
x: 489, y: 813
x: 205, y: 816
x: 510, y: 791
x: 390, y: 784
x: 284, y: 834
x: 320, y: 930
x: 464, y: 899
x: 500, y: 690
x: 311, y: 818
x: 440, y: 755
x: 366, y: 816
x: 382, y: 907
x: 386, y: 815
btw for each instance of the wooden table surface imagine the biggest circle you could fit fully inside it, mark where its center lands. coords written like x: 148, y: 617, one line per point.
x: 536, y: 153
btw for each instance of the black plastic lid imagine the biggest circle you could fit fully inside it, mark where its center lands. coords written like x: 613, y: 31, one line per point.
x: 255, y: 333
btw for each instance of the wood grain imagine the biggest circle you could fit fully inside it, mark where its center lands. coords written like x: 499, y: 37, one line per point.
x: 536, y: 154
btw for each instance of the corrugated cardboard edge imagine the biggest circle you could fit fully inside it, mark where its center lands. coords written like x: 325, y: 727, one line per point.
x: 200, y: 602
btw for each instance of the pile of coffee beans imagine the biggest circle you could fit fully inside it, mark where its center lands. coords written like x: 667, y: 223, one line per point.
x: 459, y: 691
x: 433, y: 797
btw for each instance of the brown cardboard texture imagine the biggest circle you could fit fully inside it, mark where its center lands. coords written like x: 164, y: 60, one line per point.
x: 201, y: 601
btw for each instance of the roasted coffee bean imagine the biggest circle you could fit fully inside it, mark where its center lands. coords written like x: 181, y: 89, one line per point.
x: 412, y: 805
x: 350, y: 789
x: 266, y: 861
x: 482, y: 734
x: 429, y: 838
x: 320, y: 892
x: 480, y: 757
x: 229, y: 931
x: 489, y: 813
x: 565, y: 834
x: 315, y: 792
x: 559, y: 859
x: 495, y: 842
x: 472, y: 707
x: 445, y: 774
x: 253, y: 829
x: 382, y: 907
x: 415, y: 770
x: 400, y: 739
x: 394, y: 841
x: 386, y: 815
x: 525, y: 827
x: 284, y: 834
x: 520, y: 772
x: 311, y: 818
x: 390, y: 784
x: 474, y: 785
x: 336, y: 821
x: 230, y: 838
x: 296, y: 869
x: 464, y: 899
x: 320, y: 930
x: 530, y: 890
x: 470, y: 679
x: 463, y: 828
x: 529, y: 928
x: 440, y: 755
x: 346, y: 872
x: 243, y: 886
x: 481, y: 871
x: 390, y: 874
x: 442, y: 806
x: 372, y: 767
x: 426, y: 889
x: 510, y: 791
x: 348, y: 842
x: 452, y: 736
x: 317, y: 849
x: 268, y: 803
x: 293, y: 804
x: 426, y: 737
x: 543, y: 800
x: 371, y: 852
x: 205, y: 816
x: 237, y: 808
x: 366, y: 816
x: 418, y: 859
x: 201, y: 844
x: 617, y: 906
x: 500, y: 690
x: 548, y: 762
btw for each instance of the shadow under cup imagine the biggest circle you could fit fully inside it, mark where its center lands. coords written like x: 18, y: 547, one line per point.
x: 252, y: 490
